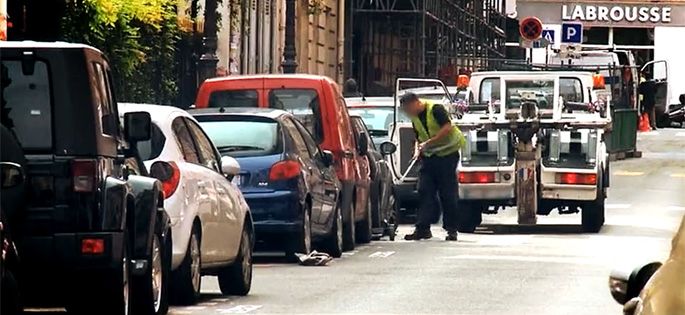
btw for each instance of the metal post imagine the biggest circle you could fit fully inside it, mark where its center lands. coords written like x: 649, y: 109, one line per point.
x: 208, y: 59
x: 289, y: 63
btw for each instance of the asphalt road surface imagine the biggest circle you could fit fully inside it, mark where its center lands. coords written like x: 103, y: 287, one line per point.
x: 552, y: 268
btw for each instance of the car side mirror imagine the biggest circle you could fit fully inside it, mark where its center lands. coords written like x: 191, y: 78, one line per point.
x: 137, y: 126
x: 626, y: 285
x: 229, y: 166
x: 12, y: 174
x: 388, y: 148
x: 327, y: 158
x: 363, y: 144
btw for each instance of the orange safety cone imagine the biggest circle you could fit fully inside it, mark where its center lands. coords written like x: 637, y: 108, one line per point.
x: 644, y: 123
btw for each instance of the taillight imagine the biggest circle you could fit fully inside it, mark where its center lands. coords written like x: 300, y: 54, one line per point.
x: 576, y: 179
x: 284, y: 170
x: 83, y: 173
x: 477, y: 177
x: 92, y: 246
x: 169, y: 174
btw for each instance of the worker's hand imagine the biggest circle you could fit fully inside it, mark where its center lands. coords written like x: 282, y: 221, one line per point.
x: 422, y: 146
x: 417, y: 154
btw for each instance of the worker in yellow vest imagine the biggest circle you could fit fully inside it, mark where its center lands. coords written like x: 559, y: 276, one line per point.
x: 438, y: 145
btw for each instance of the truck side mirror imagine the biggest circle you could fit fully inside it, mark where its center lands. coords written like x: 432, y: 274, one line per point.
x: 137, y: 126
x: 11, y: 174
x: 388, y: 148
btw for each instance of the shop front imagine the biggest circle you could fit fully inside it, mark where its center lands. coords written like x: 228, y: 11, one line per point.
x: 651, y: 30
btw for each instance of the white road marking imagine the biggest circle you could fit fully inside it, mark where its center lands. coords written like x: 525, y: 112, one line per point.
x: 208, y: 304
x: 678, y: 175
x: 197, y: 308
x: 628, y: 173
x: 542, y: 259
x: 240, y: 309
x: 350, y: 253
x: 381, y: 254
x: 675, y: 208
x: 650, y: 133
x: 617, y: 206
x: 221, y: 300
x: 680, y: 134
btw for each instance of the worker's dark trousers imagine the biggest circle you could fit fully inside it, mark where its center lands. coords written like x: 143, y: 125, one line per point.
x: 438, y: 176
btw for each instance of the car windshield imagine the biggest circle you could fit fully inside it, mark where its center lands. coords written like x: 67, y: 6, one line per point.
x: 26, y: 103
x: 256, y: 137
x: 377, y: 118
x: 233, y: 98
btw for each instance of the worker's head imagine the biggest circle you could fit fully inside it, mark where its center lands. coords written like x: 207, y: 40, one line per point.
x: 411, y: 105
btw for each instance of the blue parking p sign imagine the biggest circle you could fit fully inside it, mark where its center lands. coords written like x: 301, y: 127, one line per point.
x: 572, y: 33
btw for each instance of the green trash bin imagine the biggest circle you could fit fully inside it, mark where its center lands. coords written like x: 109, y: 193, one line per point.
x: 623, y: 135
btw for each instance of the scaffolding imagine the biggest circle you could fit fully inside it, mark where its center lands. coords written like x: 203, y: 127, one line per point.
x: 422, y: 38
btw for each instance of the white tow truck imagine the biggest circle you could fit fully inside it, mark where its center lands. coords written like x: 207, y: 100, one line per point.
x: 535, y: 140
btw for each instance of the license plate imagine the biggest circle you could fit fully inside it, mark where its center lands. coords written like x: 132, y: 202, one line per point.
x: 237, y: 180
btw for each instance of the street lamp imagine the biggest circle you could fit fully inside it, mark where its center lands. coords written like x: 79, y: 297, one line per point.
x: 289, y: 63
x: 208, y: 59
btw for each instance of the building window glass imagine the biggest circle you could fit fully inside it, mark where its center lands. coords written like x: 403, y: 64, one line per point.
x: 596, y: 35
x: 633, y: 36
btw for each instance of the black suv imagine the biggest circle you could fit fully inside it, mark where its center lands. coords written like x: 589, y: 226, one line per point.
x: 93, y: 235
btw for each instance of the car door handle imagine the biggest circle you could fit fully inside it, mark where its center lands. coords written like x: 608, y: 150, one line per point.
x: 348, y: 154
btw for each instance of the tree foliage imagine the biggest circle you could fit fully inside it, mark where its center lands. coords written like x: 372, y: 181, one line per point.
x: 138, y: 36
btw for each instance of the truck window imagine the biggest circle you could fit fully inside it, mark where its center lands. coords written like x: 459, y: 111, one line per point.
x: 304, y: 104
x: 489, y: 91
x: 571, y: 89
x: 26, y: 103
x: 539, y: 91
x: 234, y: 98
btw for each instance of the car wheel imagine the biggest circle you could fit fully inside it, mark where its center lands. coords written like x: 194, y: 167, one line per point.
x: 236, y: 279
x: 302, y: 240
x: 111, y: 297
x: 187, y: 279
x: 469, y: 217
x: 592, y: 215
x: 333, y: 245
x: 150, y: 290
x: 349, y: 234
x: 394, y: 220
x: 365, y: 227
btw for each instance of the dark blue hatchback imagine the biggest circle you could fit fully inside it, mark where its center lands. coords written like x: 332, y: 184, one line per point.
x: 287, y: 180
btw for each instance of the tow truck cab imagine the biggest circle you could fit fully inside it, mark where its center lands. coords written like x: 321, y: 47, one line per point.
x: 572, y: 165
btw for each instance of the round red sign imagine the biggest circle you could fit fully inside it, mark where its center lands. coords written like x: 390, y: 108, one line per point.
x: 530, y: 28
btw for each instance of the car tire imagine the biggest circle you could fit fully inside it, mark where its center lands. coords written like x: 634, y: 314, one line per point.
x: 469, y: 217
x: 110, y: 297
x: 364, y: 228
x: 150, y: 291
x: 301, y: 242
x: 349, y: 233
x: 187, y: 279
x: 394, y: 219
x: 592, y: 215
x: 333, y: 244
x: 236, y: 279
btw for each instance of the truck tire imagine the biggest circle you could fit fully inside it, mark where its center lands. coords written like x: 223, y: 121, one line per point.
x: 364, y: 228
x: 187, y: 279
x: 151, y: 296
x: 333, y: 244
x: 592, y: 215
x: 469, y: 217
x: 236, y: 279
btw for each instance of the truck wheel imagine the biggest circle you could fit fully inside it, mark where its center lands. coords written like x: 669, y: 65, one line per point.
x: 592, y: 215
x: 150, y: 289
x: 469, y: 217
x: 333, y: 244
x: 302, y: 240
x: 364, y: 228
x: 236, y: 279
x: 349, y: 233
x: 186, y: 280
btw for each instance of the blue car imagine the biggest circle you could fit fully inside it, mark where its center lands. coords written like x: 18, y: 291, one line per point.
x: 287, y: 180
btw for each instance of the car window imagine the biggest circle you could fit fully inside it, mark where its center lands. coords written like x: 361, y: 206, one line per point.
x: 105, y: 110
x: 304, y: 104
x: 258, y: 136
x: 26, y: 103
x: 360, y: 128
x: 234, y: 98
x: 299, y: 144
x: 208, y: 156
x: 308, y: 140
x: 151, y: 149
x: 185, y: 141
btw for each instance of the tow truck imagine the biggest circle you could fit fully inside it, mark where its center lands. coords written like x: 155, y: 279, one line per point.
x: 535, y: 140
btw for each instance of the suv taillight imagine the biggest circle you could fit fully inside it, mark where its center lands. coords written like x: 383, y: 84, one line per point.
x: 284, y: 170
x: 576, y: 179
x: 169, y: 174
x: 83, y: 173
x: 477, y: 177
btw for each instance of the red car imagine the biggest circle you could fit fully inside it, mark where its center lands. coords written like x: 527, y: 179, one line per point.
x: 318, y: 102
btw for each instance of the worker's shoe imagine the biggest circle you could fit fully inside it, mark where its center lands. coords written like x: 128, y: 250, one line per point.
x: 418, y: 235
x: 451, y: 236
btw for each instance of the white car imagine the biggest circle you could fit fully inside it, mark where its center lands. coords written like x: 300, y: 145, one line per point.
x: 212, y: 230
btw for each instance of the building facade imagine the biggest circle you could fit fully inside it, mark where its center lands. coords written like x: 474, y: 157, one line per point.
x: 651, y: 30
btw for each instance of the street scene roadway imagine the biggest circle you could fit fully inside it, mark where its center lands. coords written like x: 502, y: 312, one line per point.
x: 503, y: 268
